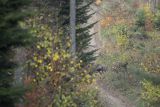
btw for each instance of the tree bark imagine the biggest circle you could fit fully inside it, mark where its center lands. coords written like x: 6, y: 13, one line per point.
x: 73, y: 25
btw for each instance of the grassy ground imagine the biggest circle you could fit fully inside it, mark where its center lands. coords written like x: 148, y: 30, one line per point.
x: 130, y: 51
x: 128, y: 83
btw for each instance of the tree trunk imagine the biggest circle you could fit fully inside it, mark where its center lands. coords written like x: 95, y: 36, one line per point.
x: 73, y: 25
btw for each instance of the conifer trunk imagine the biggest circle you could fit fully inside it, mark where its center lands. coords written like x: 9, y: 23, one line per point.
x: 73, y: 25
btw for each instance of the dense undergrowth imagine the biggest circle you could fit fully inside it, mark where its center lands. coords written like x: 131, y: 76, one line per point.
x: 132, y: 55
x: 51, y: 76
x: 57, y: 79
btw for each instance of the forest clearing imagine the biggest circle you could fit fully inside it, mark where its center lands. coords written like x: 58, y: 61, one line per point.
x: 79, y: 53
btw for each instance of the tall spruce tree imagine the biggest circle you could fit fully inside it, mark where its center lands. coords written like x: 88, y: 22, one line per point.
x: 11, y: 35
x: 83, y: 36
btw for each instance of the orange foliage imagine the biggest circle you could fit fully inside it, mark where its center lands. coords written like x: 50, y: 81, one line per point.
x: 148, y: 25
x: 106, y: 21
x: 98, y: 2
x: 118, y: 20
x: 136, y: 4
x: 31, y: 96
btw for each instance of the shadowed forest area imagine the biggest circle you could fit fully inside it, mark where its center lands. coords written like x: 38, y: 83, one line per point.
x: 79, y: 53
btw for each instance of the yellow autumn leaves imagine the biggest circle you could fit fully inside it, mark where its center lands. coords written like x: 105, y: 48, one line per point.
x: 150, y: 93
x: 56, y: 57
x: 151, y: 63
x: 122, y: 40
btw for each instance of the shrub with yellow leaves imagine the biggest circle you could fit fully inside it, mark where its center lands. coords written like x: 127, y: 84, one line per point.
x: 54, y: 70
x: 145, y: 18
x: 151, y: 63
x: 122, y: 40
x: 148, y: 11
x: 151, y: 93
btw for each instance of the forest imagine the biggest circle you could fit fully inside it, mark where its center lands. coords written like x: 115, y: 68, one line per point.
x: 79, y: 53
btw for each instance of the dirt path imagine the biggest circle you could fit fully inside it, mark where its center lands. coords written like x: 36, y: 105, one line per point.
x: 110, y: 98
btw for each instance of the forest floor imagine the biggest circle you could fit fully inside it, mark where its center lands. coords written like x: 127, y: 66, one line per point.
x: 129, y: 52
x: 111, y: 98
x: 108, y: 98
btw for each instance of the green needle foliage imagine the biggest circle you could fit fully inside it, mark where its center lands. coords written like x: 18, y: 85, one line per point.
x: 83, y: 37
x: 12, y: 35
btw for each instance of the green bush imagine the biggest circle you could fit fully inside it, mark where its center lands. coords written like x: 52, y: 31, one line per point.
x: 87, y: 98
x: 156, y: 21
x: 140, y: 18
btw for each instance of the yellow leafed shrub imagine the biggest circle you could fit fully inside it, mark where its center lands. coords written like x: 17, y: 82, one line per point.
x: 151, y: 63
x: 55, y: 72
x: 151, y: 93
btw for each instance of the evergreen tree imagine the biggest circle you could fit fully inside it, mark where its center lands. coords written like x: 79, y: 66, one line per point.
x: 12, y: 35
x: 83, y: 37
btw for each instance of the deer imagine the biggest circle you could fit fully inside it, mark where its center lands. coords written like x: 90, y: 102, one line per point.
x: 98, y: 69
x: 120, y: 67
